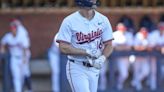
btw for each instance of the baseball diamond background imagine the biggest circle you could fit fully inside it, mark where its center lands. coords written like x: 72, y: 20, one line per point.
x: 43, y: 24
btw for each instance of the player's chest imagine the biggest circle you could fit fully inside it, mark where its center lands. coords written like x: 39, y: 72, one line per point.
x: 87, y: 31
x: 14, y: 42
x: 159, y: 38
x: 87, y: 27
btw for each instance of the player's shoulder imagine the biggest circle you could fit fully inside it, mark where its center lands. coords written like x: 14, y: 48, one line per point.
x: 71, y: 17
x: 137, y: 35
x: 155, y: 32
x: 116, y: 32
x: 129, y: 33
x: 6, y: 37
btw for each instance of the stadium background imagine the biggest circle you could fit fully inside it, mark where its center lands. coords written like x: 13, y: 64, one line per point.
x: 42, y: 19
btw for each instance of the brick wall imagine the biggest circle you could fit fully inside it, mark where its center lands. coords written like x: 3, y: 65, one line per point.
x: 43, y: 25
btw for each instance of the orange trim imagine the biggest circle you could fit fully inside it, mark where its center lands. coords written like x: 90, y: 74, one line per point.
x: 58, y: 41
x: 108, y: 40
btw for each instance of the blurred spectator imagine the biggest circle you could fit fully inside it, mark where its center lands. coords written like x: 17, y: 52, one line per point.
x: 128, y: 22
x: 54, y: 60
x: 103, y: 77
x: 17, y: 48
x: 17, y: 42
x: 123, y: 41
x: 156, y: 44
x: 147, y: 23
x: 22, y: 33
x: 141, y: 65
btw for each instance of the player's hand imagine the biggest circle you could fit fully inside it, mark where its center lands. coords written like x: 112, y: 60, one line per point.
x: 162, y: 50
x: 98, y: 63
x: 93, y: 53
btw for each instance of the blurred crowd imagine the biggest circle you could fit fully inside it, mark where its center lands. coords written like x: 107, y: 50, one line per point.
x: 70, y: 3
x: 137, y: 52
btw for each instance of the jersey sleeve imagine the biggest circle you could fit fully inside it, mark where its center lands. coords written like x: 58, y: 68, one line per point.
x: 25, y: 42
x: 4, y: 39
x: 107, y: 32
x: 152, y: 38
x: 130, y: 39
x: 64, y: 34
x: 136, y: 40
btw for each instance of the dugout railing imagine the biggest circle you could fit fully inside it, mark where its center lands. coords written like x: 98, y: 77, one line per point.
x: 147, y: 54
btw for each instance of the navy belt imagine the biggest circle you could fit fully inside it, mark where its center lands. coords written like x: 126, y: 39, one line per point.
x: 84, y: 63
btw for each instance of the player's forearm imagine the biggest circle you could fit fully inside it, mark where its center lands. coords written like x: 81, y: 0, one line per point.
x: 140, y: 48
x: 108, y: 49
x: 69, y: 50
x: 2, y: 49
x: 123, y: 48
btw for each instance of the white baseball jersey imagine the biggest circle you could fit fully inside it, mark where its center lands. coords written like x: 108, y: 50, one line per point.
x: 121, y: 38
x: 139, y: 40
x: 22, y: 33
x: 85, y: 34
x: 22, y: 30
x: 156, y: 38
x: 54, y: 59
x: 15, y: 44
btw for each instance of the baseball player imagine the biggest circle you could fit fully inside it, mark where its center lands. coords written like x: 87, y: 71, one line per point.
x: 123, y: 41
x: 22, y: 33
x: 141, y: 65
x: 103, y: 78
x: 86, y: 37
x: 54, y: 58
x: 17, y: 48
x: 155, y: 45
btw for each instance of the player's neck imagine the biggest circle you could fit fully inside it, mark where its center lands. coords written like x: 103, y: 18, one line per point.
x: 87, y: 13
x: 14, y: 34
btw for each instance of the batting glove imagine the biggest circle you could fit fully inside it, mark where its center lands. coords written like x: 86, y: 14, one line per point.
x: 98, y: 63
x: 93, y: 53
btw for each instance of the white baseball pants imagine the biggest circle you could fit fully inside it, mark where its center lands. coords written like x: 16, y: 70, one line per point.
x: 82, y: 78
x: 123, y: 67
x: 54, y: 60
x: 141, y: 69
x: 17, y: 73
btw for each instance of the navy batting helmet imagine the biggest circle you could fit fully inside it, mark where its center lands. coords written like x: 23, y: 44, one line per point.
x: 85, y: 3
